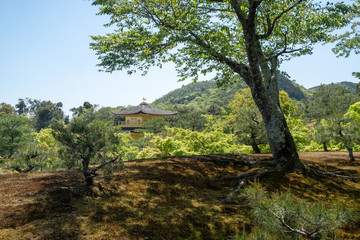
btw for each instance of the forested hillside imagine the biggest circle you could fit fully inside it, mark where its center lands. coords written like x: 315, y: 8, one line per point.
x: 200, y: 94
x: 349, y: 85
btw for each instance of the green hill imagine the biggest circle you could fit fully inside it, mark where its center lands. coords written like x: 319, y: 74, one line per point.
x: 349, y: 85
x: 200, y: 94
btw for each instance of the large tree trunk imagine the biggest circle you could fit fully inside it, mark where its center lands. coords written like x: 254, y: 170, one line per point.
x: 282, y: 145
x: 281, y: 141
x: 265, y: 92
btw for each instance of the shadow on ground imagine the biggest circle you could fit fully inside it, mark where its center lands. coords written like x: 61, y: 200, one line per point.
x: 41, y: 204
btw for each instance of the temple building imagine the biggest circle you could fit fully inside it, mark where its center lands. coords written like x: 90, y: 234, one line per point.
x: 135, y: 117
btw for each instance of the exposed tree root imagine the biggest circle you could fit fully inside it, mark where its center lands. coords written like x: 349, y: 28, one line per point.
x: 267, y: 167
x: 240, y: 159
x: 333, y: 174
x: 243, y: 178
x: 264, y: 167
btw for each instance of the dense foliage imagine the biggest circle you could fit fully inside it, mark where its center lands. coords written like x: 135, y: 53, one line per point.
x: 328, y: 119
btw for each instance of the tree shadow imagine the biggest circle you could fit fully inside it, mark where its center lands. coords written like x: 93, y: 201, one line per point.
x: 43, y: 205
x: 171, y: 200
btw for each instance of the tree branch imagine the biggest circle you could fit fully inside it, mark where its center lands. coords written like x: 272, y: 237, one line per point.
x: 90, y: 174
x: 271, y: 26
x: 254, y: 4
x: 239, y: 68
x: 239, y: 13
x: 27, y: 169
x: 282, y: 221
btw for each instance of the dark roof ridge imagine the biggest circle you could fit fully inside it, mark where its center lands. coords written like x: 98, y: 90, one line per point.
x: 145, y: 109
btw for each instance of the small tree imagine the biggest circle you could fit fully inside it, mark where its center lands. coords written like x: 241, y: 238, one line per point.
x: 85, y: 141
x: 193, y: 120
x: 329, y: 103
x: 247, y: 121
x: 339, y: 129
x: 15, y: 131
x: 246, y: 118
x: 321, y: 135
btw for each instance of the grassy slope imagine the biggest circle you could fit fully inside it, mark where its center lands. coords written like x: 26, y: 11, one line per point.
x: 158, y: 199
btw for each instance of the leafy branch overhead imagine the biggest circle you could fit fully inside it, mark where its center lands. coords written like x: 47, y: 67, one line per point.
x: 349, y: 42
x: 206, y: 36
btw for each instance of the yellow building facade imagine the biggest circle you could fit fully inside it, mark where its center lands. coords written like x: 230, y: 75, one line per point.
x: 135, y: 117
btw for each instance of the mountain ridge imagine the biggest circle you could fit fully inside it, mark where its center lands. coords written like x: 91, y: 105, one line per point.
x: 199, y: 95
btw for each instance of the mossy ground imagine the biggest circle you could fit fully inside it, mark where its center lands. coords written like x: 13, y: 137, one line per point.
x: 173, y: 198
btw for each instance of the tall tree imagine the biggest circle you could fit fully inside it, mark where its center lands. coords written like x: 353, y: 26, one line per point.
x: 21, y: 106
x: 6, y: 108
x: 45, y: 112
x: 246, y: 118
x: 42, y: 112
x: 330, y: 101
x: 86, y: 108
x: 340, y: 129
x: 244, y: 39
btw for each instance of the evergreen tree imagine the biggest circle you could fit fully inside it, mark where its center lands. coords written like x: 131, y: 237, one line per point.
x: 15, y: 132
x: 84, y: 141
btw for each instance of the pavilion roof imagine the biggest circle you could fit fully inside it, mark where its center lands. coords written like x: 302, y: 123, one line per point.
x: 144, y: 108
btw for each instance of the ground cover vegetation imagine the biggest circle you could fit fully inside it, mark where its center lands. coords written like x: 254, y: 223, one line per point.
x: 182, y: 198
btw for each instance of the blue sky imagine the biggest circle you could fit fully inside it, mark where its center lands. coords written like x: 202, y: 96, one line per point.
x: 45, y: 55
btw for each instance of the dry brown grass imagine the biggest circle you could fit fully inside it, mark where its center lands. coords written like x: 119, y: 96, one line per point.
x: 159, y: 199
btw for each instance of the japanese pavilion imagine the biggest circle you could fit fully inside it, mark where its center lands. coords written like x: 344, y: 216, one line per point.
x: 135, y: 117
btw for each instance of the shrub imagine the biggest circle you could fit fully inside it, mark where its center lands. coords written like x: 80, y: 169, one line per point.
x: 283, y: 216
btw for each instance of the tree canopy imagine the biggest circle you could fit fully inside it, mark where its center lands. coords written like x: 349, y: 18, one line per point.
x: 209, y: 35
